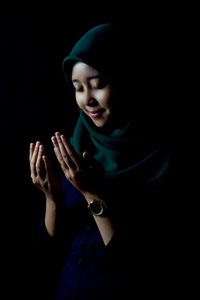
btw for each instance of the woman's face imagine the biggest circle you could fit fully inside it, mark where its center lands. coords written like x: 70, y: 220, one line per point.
x: 93, y: 94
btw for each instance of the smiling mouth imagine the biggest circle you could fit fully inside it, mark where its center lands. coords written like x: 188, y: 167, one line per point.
x: 96, y: 114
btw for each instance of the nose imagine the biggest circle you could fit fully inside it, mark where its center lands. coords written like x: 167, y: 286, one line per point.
x: 88, y: 98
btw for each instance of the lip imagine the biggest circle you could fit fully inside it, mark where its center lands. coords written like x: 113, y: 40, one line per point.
x: 96, y: 114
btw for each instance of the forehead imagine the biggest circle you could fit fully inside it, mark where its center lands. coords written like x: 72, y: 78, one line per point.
x: 82, y: 70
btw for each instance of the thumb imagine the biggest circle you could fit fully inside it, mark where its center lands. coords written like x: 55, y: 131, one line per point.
x: 86, y: 155
x: 90, y: 160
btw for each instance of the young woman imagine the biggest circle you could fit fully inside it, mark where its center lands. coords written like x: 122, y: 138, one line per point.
x: 107, y: 224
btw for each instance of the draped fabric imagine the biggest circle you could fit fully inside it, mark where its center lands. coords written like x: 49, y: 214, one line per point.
x: 122, y: 153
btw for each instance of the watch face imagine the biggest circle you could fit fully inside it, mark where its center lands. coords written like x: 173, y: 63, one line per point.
x: 96, y: 207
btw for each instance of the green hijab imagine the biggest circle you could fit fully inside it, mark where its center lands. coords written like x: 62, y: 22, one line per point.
x: 130, y: 150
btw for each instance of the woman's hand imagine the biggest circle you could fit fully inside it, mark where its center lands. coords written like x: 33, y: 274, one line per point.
x: 84, y: 173
x: 41, y: 173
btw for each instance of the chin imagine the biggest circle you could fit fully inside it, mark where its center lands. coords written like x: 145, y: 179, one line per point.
x: 99, y: 123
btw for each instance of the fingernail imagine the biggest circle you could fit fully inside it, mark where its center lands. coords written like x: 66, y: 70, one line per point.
x: 86, y: 155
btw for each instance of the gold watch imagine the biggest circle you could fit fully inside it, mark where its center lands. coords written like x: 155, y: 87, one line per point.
x: 97, y: 207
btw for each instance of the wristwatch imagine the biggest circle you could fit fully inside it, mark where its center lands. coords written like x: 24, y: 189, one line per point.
x: 97, y: 207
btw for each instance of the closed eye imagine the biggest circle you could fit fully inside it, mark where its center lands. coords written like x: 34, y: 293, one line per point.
x: 95, y: 82
x: 98, y: 83
x: 78, y: 87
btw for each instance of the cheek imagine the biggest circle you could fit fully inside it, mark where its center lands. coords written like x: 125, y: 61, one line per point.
x: 104, y: 98
x: 79, y: 102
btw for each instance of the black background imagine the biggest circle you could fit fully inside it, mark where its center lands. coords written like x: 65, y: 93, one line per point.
x: 34, y: 104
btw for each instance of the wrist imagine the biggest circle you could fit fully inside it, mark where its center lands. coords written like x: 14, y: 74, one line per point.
x: 90, y: 196
x: 55, y: 198
x: 50, y: 204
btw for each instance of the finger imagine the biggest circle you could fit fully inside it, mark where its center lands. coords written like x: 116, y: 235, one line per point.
x: 31, y: 149
x: 58, y: 153
x: 47, y: 166
x: 74, y: 157
x: 34, y: 159
x: 39, y: 160
x: 66, y: 154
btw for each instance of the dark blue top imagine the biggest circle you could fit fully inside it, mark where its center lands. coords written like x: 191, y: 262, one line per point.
x: 77, y: 265
x: 85, y: 264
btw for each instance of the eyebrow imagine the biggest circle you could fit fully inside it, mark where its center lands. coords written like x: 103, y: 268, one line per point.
x: 88, y: 78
